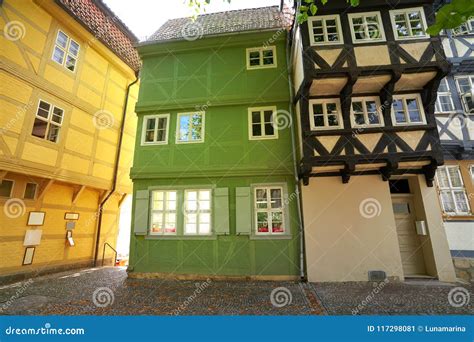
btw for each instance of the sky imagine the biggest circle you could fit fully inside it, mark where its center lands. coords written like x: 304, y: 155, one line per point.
x: 144, y: 17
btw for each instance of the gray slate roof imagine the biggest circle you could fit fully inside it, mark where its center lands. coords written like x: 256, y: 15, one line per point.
x: 251, y: 19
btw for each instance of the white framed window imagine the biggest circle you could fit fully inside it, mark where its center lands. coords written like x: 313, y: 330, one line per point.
x: 409, y: 23
x: 30, y: 191
x: 6, y: 188
x: 163, y: 212
x: 325, y: 114
x: 365, y: 112
x: 48, y: 121
x: 155, y: 129
x: 197, y: 212
x: 452, y: 191
x: 66, y: 51
x: 465, y: 86
x: 190, y: 127
x: 262, y: 123
x: 325, y: 30
x: 261, y: 57
x: 444, y: 101
x: 407, y: 110
x: 268, y: 210
x: 465, y: 28
x: 471, y: 170
x: 366, y: 27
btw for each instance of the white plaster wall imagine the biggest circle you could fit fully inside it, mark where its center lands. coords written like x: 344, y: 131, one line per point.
x: 460, y: 235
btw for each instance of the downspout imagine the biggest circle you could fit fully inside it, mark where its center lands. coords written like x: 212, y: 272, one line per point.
x: 116, y: 166
x: 295, y: 161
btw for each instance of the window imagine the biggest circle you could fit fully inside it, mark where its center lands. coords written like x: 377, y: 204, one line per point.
x: 365, y: 112
x: 6, y: 188
x: 407, y: 109
x: 465, y: 86
x: 452, y: 192
x: 465, y: 28
x: 471, y: 170
x: 262, y: 123
x: 366, y: 27
x: 408, y: 23
x: 190, y: 127
x: 263, y: 57
x: 155, y: 129
x: 325, y: 29
x: 48, y: 121
x: 444, y: 102
x: 30, y: 191
x: 269, y: 218
x: 65, y: 51
x: 197, y: 212
x: 163, y: 212
x: 325, y: 114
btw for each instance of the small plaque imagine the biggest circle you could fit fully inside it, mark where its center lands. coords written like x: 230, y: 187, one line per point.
x: 71, y: 216
x: 33, y: 237
x: 28, y: 257
x: 36, y: 218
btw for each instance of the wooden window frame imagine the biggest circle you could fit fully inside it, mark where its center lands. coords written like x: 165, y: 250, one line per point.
x: 405, y: 12
x: 365, y: 112
x: 324, y: 18
x: 262, y: 122
x: 66, y: 51
x: 469, y: 28
x: 364, y: 16
x: 198, y: 212
x: 261, y: 50
x: 165, y: 211
x: 462, y: 94
x: 404, y: 98
x: 325, y: 114
x: 36, y: 191
x: 452, y: 189
x: 203, y: 129
x: 155, y: 117
x: 12, y: 189
x: 49, y: 121
x: 269, y: 210
x: 444, y: 93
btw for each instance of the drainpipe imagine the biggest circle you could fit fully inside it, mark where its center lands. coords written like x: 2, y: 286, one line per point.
x: 295, y: 161
x: 114, y: 184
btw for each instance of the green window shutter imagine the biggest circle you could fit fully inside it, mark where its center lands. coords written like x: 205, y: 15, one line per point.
x: 221, y: 211
x: 141, y: 214
x: 243, y: 211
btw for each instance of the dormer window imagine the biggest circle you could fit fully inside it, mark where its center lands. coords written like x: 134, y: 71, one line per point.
x: 366, y: 27
x: 409, y: 23
x: 407, y: 110
x: 66, y: 51
x: 325, y: 30
x: 262, y: 57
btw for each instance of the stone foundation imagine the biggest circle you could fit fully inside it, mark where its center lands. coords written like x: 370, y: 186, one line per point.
x: 464, y: 268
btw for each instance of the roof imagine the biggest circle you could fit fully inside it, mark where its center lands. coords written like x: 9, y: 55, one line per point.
x: 99, y: 19
x: 251, y: 19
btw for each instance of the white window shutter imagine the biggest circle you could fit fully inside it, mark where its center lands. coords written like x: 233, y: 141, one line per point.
x: 221, y: 211
x: 243, y: 211
x: 141, y: 213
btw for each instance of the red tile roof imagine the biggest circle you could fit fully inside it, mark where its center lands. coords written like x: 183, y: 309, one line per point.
x: 99, y: 19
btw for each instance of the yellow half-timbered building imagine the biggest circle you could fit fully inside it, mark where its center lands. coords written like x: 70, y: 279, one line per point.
x: 68, y: 87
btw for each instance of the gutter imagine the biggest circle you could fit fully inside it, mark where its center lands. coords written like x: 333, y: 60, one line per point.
x: 303, y: 276
x: 114, y: 184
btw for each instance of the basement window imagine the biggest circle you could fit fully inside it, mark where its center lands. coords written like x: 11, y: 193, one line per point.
x: 325, y: 30
x: 155, y: 129
x: 407, y: 110
x: 262, y: 123
x: 365, y: 112
x: 262, y: 57
x: 452, y: 191
x: 163, y: 212
x: 197, y: 212
x: 48, y: 121
x: 6, y: 188
x: 66, y: 51
x: 325, y: 114
x: 444, y: 102
x: 366, y: 27
x: 190, y: 127
x: 409, y: 23
x: 268, y: 208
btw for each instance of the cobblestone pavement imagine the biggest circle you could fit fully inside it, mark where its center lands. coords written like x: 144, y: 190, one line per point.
x: 108, y: 291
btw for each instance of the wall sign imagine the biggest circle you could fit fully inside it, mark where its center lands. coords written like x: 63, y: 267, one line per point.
x: 32, y: 237
x: 71, y: 216
x: 28, y: 257
x: 36, y: 218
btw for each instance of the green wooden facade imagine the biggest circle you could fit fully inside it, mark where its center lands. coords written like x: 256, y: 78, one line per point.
x: 210, y: 75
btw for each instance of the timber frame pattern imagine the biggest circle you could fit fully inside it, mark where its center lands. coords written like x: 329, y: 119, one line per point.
x: 391, y: 150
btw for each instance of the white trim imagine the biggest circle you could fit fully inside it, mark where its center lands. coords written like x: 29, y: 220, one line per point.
x: 405, y: 11
x: 325, y: 115
x: 197, y: 212
x: 404, y: 97
x: 446, y: 94
x: 269, y: 210
x: 66, y: 51
x: 155, y: 116
x: 261, y: 65
x: 366, y: 114
x: 36, y: 191
x: 262, y: 123
x: 164, y: 212
x: 324, y: 18
x: 203, y: 130
x: 452, y: 189
x: 48, y: 120
x: 363, y: 15
x: 11, y: 191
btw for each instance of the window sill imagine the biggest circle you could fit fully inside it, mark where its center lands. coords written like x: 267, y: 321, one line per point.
x: 180, y: 237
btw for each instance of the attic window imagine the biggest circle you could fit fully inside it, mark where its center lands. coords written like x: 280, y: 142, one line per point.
x: 325, y: 30
x: 260, y: 58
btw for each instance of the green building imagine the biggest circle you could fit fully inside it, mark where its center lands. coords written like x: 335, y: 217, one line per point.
x: 215, y: 192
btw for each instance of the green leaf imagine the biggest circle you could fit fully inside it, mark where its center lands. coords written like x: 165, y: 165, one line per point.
x: 313, y: 8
